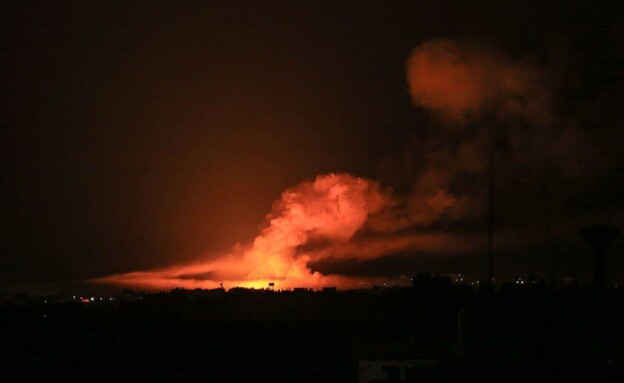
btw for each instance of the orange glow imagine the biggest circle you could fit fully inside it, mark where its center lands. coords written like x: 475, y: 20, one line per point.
x: 317, y: 220
x: 461, y: 81
x: 331, y: 208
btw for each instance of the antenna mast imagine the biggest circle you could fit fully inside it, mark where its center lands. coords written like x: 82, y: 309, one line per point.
x: 491, y: 221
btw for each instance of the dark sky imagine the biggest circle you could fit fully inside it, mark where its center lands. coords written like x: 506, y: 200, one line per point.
x: 135, y: 134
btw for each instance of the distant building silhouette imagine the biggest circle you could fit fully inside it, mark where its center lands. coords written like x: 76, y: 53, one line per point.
x: 330, y: 290
x: 390, y: 370
x: 426, y: 281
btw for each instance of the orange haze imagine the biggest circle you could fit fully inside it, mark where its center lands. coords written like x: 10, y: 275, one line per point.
x: 318, y: 220
x: 462, y: 81
x: 331, y: 208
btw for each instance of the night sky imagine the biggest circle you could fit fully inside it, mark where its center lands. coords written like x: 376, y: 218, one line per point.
x: 138, y: 136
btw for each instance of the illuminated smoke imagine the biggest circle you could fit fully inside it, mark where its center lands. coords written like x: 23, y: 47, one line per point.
x: 331, y: 208
x: 466, y: 81
x: 481, y: 99
x: 485, y: 103
x: 367, y: 248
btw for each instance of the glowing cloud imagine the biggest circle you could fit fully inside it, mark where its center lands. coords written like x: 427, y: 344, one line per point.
x: 318, y: 220
x: 332, y: 208
x: 463, y: 81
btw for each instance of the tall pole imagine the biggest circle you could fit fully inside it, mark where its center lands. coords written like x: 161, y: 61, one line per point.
x: 491, y: 221
x: 549, y: 243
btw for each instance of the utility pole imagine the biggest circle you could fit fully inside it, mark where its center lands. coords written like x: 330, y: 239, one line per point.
x: 549, y: 242
x: 491, y: 221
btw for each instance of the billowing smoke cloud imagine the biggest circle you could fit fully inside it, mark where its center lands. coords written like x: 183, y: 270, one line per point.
x: 486, y: 104
x: 331, y: 208
x: 465, y: 81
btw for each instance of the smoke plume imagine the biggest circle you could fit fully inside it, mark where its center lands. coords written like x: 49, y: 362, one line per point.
x: 485, y: 104
x: 331, y: 208
x: 466, y: 81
